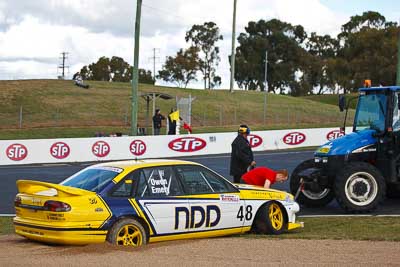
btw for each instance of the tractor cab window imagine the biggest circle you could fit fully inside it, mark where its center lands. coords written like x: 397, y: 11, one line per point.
x: 396, y: 114
x: 371, y: 110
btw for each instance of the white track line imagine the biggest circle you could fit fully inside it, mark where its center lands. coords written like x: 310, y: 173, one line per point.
x: 348, y: 215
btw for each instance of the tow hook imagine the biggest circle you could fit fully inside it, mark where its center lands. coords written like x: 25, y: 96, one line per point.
x: 300, y: 189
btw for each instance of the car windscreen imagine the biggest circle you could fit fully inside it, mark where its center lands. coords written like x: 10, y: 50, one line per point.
x: 92, y: 179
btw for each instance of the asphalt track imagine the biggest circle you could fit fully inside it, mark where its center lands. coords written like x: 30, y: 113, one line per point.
x: 55, y: 173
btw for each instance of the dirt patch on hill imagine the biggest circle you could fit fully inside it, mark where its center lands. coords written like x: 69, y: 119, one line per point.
x: 17, y: 251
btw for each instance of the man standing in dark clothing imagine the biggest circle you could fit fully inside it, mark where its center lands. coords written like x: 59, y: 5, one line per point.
x: 242, y: 155
x: 157, y: 118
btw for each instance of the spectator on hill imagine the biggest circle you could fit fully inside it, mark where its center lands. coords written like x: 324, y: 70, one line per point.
x: 79, y: 81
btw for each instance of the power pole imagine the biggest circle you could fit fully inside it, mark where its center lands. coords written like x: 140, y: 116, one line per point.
x: 398, y: 57
x: 233, y: 47
x: 135, y: 74
x: 155, y: 60
x: 62, y: 66
x: 266, y: 86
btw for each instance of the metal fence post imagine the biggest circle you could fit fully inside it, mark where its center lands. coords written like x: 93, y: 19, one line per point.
x: 20, y: 117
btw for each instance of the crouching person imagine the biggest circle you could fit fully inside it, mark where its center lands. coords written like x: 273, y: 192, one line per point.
x: 265, y: 177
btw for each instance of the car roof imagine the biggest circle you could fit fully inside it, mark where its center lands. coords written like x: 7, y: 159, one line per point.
x: 133, y: 164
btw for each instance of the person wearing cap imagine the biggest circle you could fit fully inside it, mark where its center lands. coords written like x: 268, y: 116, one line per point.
x: 265, y: 177
x: 157, y: 118
x: 241, y: 156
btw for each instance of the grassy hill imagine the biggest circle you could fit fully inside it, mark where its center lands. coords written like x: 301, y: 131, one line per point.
x: 331, y: 99
x: 55, y: 108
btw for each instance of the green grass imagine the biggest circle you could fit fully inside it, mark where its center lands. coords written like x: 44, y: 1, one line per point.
x: 55, y: 108
x: 6, y: 226
x: 342, y: 228
x: 331, y: 99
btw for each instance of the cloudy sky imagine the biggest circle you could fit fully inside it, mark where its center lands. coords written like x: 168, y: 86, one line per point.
x: 33, y: 33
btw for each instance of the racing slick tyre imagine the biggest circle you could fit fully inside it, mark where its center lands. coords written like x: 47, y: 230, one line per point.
x: 270, y: 219
x: 310, y: 198
x: 127, y: 232
x: 359, y: 187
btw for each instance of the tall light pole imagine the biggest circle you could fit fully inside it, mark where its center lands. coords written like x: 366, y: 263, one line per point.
x: 398, y: 57
x: 233, y: 47
x: 266, y: 86
x: 135, y: 73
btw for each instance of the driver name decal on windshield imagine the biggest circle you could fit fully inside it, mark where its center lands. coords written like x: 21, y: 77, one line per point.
x: 159, y: 185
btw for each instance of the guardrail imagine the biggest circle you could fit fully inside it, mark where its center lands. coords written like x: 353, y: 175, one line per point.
x: 13, y: 152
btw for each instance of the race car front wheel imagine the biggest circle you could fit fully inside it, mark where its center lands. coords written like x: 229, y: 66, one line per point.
x: 127, y: 232
x: 271, y: 219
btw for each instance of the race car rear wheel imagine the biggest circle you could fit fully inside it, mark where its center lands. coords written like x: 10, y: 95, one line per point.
x: 127, y: 232
x: 271, y: 219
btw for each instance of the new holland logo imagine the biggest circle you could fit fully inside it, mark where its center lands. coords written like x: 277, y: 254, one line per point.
x: 294, y: 138
x: 187, y: 144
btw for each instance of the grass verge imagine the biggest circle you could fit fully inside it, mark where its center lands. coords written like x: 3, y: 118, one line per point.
x: 337, y: 228
x: 344, y: 228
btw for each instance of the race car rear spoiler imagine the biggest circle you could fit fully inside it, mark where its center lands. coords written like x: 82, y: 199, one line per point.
x: 36, y: 187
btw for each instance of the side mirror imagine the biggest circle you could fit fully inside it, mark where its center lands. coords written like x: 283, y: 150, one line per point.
x: 342, y: 102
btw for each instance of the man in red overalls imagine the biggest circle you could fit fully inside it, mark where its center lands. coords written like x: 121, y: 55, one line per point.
x: 263, y: 176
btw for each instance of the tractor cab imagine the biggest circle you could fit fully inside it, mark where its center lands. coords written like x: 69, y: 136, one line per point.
x: 357, y: 168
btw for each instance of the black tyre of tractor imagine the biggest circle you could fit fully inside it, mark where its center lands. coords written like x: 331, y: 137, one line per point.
x: 359, y: 187
x: 308, y: 197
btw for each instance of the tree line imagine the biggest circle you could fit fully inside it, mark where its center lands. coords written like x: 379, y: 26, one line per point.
x: 298, y: 63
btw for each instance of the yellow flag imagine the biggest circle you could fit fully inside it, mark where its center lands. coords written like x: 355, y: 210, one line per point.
x: 174, y: 116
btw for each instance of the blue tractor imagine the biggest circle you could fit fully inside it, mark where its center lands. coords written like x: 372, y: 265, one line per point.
x: 358, y: 167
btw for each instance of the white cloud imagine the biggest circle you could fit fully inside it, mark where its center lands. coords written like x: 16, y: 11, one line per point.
x: 34, y: 33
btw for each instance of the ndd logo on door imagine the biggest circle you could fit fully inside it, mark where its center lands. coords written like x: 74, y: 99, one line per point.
x: 17, y: 152
x: 60, y: 150
x: 254, y: 140
x: 187, y: 144
x: 334, y: 134
x: 137, y: 147
x: 101, y: 149
x: 294, y: 138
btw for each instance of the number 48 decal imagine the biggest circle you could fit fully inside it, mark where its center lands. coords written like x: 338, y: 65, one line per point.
x: 248, y: 213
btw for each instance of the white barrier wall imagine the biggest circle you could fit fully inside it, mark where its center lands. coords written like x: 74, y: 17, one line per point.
x: 116, y: 148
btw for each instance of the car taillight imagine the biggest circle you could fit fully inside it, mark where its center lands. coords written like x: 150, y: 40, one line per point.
x: 17, y: 201
x: 52, y: 205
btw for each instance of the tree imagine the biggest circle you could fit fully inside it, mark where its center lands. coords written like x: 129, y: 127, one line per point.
x: 182, y: 68
x: 114, y: 70
x: 368, y: 50
x: 285, y: 55
x: 204, y: 38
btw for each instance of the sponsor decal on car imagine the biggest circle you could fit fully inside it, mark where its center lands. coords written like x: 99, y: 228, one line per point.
x: 17, y: 152
x: 187, y: 144
x: 334, y: 135
x: 198, y: 216
x: 229, y: 198
x: 60, y: 150
x: 137, y: 147
x: 101, y: 149
x: 294, y: 138
x: 254, y: 140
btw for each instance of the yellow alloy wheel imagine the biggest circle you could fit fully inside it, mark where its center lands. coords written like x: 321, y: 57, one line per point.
x: 129, y: 235
x: 275, y: 216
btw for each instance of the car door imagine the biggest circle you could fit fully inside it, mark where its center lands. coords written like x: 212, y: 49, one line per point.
x: 214, y: 203
x: 159, y: 196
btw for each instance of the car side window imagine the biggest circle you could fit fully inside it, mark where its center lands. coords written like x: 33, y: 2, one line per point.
x: 125, y: 187
x: 194, y: 180
x: 216, y: 182
x: 158, y: 182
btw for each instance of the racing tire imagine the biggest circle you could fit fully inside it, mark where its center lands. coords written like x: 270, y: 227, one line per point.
x: 127, y: 232
x: 359, y: 187
x: 306, y: 197
x: 271, y: 219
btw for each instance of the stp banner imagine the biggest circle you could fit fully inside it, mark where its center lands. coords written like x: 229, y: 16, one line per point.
x: 141, y: 147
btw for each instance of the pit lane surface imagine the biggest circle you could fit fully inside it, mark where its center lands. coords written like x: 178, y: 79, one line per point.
x: 220, y: 163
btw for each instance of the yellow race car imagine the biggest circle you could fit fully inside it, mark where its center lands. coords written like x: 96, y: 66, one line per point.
x: 132, y: 203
